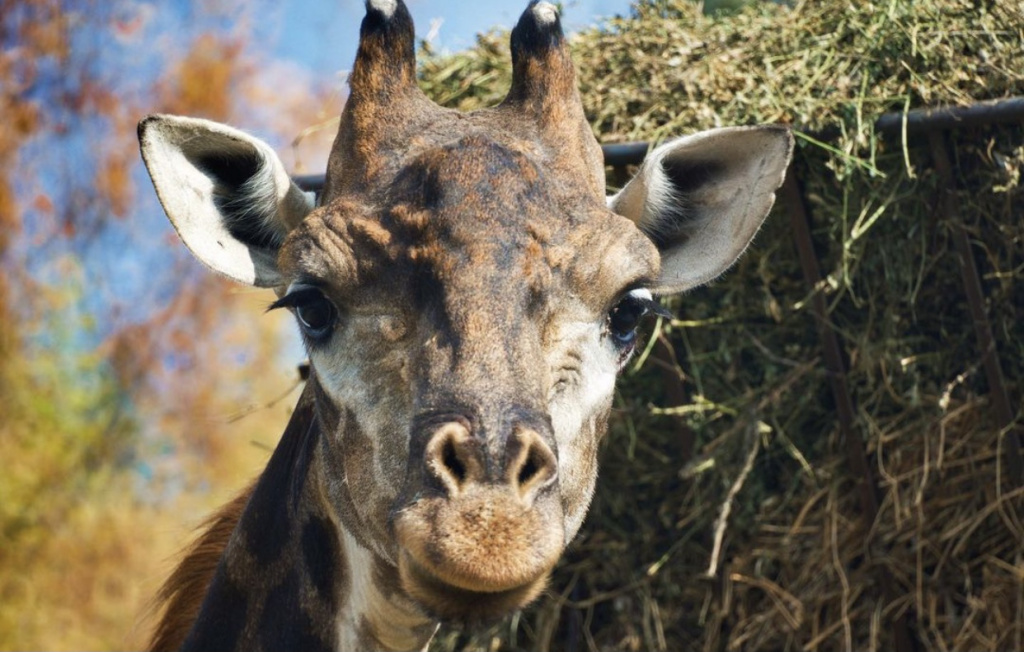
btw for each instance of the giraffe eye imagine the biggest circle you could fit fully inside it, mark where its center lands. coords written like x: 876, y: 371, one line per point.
x: 624, y: 319
x: 316, y: 314
x: 316, y: 317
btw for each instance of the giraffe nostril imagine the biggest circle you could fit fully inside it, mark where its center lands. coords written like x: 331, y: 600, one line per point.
x: 532, y: 464
x: 457, y: 459
x: 451, y: 462
x: 530, y: 469
x: 453, y: 457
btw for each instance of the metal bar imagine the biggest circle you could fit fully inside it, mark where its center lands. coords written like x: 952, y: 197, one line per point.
x: 925, y: 121
x: 835, y: 366
x: 310, y: 182
x: 952, y: 117
x: 676, y: 394
x: 918, y: 121
x: 1004, y: 413
x: 620, y: 176
x: 622, y: 154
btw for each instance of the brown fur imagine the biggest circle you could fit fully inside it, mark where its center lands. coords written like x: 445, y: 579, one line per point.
x: 182, y: 594
x: 463, y: 382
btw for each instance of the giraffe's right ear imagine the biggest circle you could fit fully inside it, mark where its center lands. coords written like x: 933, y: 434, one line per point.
x: 226, y: 193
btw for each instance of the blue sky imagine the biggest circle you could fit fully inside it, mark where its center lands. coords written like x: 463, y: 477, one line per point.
x: 304, y: 43
x: 322, y: 35
x: 126, y: 264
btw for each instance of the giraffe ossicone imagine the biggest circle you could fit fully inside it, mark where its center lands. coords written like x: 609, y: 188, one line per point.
x: 386, y: 7
x: 467, y: 295
x: 545, y: 13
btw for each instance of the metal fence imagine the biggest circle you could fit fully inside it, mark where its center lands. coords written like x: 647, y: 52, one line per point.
x: 932, y: 124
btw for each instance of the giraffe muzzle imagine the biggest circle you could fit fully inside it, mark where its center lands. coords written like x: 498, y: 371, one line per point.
x: 484, y: 538
x: 458, y: 460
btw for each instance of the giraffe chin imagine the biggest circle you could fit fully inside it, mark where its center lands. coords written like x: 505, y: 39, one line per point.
x: 452, y: 603
x: 480, y: 554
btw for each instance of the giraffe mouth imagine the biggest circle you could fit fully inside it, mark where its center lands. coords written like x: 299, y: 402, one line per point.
x: 480, y: 555
x: 450, y: 602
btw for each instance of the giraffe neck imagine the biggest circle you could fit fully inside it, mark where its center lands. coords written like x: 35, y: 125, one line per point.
x: 292, y: 577
x: 379, y: 616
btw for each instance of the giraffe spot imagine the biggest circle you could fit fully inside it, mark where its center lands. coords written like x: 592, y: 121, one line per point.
x: 320, y: 553
x: 285, y: 625
x: 222, y: 620
x: 355, y: 463
x: 266, y: 528
x: 267, y: 519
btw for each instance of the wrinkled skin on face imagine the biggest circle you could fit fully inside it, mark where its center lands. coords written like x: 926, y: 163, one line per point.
x: 520, y: 344
x: 467, y: 295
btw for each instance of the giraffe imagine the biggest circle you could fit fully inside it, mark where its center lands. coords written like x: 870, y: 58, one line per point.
x: 467, y: 295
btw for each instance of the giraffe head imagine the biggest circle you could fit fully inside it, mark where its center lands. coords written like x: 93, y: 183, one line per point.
x: 467, y: 295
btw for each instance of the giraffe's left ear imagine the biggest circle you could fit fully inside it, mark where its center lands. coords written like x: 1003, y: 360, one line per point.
x: 702, y: 198
x: 226, y: 193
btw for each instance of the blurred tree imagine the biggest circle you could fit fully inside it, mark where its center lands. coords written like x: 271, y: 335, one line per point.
x: 125, y: 369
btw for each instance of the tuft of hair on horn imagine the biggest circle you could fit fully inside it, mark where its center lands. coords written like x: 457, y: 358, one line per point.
x: 538, y: 30
x: 388, y: 19
x: 544, y: 13
x: 387, y: 46
x: 386, y: 8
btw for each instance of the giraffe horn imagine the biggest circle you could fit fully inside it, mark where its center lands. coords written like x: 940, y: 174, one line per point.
x: 544, y: 88
x: 385, y: 63
x: 384, y: 99
x: 543, y: 77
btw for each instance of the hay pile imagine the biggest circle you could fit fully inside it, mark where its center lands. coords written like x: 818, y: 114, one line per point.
x: 732, y: 400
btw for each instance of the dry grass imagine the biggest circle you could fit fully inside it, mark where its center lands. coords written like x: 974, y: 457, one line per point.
x: 737, y: 401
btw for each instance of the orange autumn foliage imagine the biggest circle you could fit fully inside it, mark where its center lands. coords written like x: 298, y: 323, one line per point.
x: 114, y: 452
